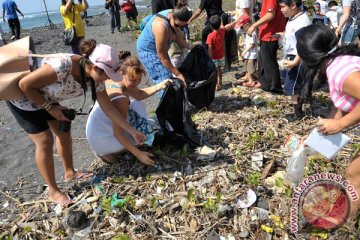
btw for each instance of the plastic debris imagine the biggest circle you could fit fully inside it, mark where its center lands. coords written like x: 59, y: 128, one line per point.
x: 257, y: 161
x: 246, y: 200
x: 115, y: 201
x: 267, y: 229
x: 274, y: 182
x: 205, y: 153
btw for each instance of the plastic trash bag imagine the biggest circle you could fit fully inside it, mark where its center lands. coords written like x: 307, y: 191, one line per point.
x: 174, y: 118
x: 200, y: 73
x: 296, y: 164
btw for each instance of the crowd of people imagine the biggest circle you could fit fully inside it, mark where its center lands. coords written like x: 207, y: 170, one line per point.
x: 319, y: 49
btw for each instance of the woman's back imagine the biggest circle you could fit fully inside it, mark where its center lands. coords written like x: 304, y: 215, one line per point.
x: 146, y: 40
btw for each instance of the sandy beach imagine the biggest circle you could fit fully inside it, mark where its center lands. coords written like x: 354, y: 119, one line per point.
x: 16, y: 150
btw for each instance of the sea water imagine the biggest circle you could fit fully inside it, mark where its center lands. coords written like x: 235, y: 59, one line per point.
x: 40, y: 19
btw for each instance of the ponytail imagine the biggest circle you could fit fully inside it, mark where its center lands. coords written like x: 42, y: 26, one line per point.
x: 87, y: 47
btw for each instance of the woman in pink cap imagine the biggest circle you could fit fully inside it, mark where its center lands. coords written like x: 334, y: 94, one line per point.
x: 40, y: 114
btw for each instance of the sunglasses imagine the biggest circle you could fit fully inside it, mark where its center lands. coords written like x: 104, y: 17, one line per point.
x: 115, y: 69
x: 178, y: 25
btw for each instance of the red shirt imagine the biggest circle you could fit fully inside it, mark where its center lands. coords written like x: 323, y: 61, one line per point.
x: 216, y: 40
x: 277, y: 24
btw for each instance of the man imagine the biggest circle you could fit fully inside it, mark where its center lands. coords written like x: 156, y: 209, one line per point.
x: 271, y: 21
x: 10, y: 8
x: 160, y: 5
x: 114, y: 10
x: 212, y: 7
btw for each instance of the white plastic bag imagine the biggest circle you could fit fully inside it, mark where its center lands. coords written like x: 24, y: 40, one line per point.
x: 296, y: 164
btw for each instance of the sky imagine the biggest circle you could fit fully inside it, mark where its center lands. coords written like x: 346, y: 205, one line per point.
x: 30, y: 6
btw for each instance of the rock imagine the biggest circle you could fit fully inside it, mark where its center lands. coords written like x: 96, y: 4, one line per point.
x: 244, y: 234
x: 262, y: 203
x: 213, y: 236
x: 76, y: 219
x: 223, y: 210
x: 257, y: 161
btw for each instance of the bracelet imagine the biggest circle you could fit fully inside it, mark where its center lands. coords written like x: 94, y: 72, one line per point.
x: 46, y: 106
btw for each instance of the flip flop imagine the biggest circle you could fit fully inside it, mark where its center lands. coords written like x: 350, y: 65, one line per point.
x: 82, y: 176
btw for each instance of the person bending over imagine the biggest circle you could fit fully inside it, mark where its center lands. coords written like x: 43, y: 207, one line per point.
x: 106, y: 138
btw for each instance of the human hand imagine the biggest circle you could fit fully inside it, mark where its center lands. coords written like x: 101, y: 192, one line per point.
x: 250, y: 30
x: 164, y: 84
x: 139, y: 137
x: 289, y: 64
x: 57, y: 112
x: 145, y: 158
x: 243, y: 55
x: 329, y: 126
x: 337, y: 32
x: 182, y: 78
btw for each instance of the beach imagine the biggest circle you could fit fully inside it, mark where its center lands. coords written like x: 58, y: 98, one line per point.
x: 16, y: 150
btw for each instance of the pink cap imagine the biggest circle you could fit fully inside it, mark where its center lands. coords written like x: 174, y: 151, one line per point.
x: 106, y: 58
x: 242, y: 20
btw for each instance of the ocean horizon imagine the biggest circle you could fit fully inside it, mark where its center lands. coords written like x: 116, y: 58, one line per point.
x: 39, y: 19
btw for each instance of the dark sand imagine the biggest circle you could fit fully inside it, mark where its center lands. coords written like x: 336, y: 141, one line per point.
x: 16, y: 150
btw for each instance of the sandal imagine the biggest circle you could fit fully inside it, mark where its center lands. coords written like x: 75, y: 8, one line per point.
x: 65, y: 203
x: 83, y: 175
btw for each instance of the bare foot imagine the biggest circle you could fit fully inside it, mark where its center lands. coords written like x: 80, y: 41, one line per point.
x: 77, y: 176
x: 59, y: 198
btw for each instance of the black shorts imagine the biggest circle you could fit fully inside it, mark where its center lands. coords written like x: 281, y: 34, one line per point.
x: 132, y: 14
x: 31, y: 121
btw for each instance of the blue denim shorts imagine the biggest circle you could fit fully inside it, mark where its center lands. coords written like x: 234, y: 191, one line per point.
x: 219, y: 62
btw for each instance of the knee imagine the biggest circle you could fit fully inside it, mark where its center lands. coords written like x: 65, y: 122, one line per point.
x: 45, y: 141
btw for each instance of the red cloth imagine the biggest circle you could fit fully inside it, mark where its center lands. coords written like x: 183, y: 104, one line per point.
x: 216, y: 40
x: 127, y: 6
x: 277, y: 24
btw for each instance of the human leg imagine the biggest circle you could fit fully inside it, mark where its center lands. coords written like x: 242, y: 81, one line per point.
x: 17, y: 28
x: 271, y: 68
x: 112, y: 20
x: 117, y: 20
x: 11, y: 24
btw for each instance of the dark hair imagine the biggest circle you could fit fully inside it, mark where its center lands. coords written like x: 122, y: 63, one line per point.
x: 317, y: 47
x: 181, y: 11
x: 215, y: 22
x: 332, y: 4
x: 63, y: 2
x: 87, y: 47
x: 123, y: 55
x: 289, y: 2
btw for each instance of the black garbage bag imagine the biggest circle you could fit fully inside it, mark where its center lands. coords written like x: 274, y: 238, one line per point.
x: 177, y: 127
x: 200, y: 73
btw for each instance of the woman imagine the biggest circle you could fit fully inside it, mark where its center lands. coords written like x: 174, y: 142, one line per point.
x: 71, y: 14
x: 105, y: 138
x: 340, y: 66
x: 64, y: 77
x: 155, y: 39
x: 347, y: 27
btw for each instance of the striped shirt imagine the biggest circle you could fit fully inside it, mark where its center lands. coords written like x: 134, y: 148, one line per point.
x: 337, y: 72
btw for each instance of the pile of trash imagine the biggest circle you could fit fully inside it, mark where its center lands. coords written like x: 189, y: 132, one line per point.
x: 235, y: 187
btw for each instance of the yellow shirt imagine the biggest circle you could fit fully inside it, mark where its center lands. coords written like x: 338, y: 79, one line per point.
x: 68, y: 18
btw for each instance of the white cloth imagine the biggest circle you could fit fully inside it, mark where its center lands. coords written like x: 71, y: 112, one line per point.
x: 323, y: 9
x: 347, y: 3
x: 252, y: 53
x: 292, y: 26
x: 332, y: 15
x: 65, y: 87
x: 241, y: 4
x: 100, y: 132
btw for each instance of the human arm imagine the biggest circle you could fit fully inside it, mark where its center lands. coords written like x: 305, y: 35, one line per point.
x: 31, y: 84
x: 4, y: 15
x: 269, y: 15
x: 122, y: 106
x: 18, y: 10
x: 195, y: 15
x: 161, y: 42
x: 230, y: 26
x: 113, y: 113
x: 343, y: 20
x: 351, y: 86
x: 289, y: 64
x: 85, y: 5
x: 180, y: 39
x: 141, y: 94
x: 248, y: 48
x: 68, y: 6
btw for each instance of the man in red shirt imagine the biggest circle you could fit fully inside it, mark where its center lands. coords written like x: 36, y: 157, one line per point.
x: 271, y: 22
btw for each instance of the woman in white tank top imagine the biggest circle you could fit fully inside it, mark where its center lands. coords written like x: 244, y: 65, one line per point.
x: 107, y: 139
